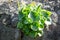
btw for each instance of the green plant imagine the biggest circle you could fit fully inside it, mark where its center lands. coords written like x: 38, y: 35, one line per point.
x: 32, y: 20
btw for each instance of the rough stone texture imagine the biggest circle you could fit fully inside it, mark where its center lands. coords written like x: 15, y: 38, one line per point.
x: 54, y: 29
x: 9, y: 19
x: 9, y: 14
x: 51, y: 34
x: 58, y: 13
x: 7, y: 33
x: 29, y: 38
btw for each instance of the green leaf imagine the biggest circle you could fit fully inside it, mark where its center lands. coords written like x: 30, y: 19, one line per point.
x: 20, y: 16
x: 49, y: 13
x: 26, y: 10
x: 26, y: 30
x: 34, y: 27
x: 32, y: 34
x: 40, y: 33
x: 19, y: 25
x: 32, y: 20
x: 28, y: 21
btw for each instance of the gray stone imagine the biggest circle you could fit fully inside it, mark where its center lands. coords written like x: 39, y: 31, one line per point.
x: 58, y: 13
x: 54, y: 17
x: 29, y: 38
x: 9, y: 13
x: 47, y: 7
x: 9, y: 16
x: 14, y: 20
x: 5, y: 19
x: 7, y: 33
x: 50, y: 35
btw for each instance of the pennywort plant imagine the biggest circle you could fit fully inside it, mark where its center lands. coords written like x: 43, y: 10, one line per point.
x: 32, y: 19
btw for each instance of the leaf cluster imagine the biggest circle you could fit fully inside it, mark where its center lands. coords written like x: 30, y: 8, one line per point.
x: 32, y: 20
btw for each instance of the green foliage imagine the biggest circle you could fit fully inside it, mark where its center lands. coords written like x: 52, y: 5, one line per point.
x: 32, y: 20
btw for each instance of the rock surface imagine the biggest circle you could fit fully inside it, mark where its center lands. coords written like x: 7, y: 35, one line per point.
x: 9, y: 19
x: 7, y: 33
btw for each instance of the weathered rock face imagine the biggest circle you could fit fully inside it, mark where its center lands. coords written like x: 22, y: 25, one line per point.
x: 9, y: 19
x: 29, y: 38
x: 54, y: 29
x: 58, y: 13
x: 9, y: 14
x: 7, y: 33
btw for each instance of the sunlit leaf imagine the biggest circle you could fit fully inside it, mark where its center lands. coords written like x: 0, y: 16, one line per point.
x: 32, y: 19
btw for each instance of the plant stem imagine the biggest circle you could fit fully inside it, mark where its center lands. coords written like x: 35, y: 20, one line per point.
x: 18, y: 3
